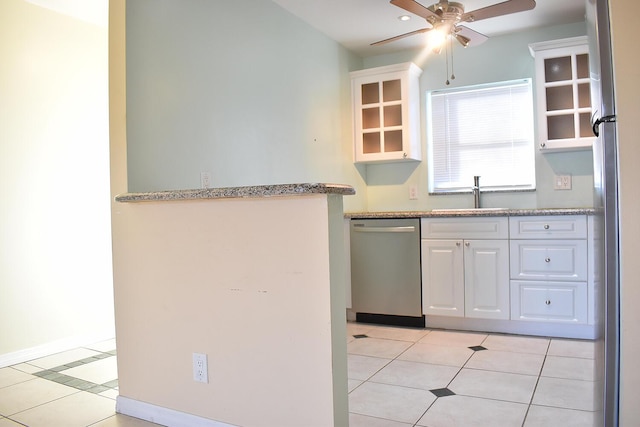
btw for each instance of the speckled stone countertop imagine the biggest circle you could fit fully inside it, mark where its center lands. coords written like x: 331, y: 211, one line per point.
x: 239, y: 192
x: 471, y: 212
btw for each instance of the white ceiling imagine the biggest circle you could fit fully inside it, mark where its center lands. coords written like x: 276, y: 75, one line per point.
x: 357, y: 23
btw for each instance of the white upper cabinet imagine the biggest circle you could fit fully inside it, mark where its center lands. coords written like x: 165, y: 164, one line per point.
x: 386, y: 113
x: 563, y: 94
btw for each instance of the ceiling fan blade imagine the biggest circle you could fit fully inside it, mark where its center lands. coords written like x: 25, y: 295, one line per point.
x: 499, y: 9
x: 415, y: 8
x: 475, y: 38
x: 401, y: 36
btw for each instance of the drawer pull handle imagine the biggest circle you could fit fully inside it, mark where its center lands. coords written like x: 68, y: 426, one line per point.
x: 546, y: 226
x: 467, y: 244
x: 548, y: 302
x: 547, y: 260
x: 458, y: 244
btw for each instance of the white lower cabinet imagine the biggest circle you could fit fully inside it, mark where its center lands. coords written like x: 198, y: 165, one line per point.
x: 465, y: 277
x: 533, y: 275
x: 549, y: 275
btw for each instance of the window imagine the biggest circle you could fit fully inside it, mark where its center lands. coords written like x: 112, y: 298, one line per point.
x: 481, y: 130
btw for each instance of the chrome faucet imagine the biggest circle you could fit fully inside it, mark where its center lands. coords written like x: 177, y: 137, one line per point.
x: 476, y: 191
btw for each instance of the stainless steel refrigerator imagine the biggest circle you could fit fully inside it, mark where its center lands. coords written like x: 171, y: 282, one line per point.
x: 605, y: 173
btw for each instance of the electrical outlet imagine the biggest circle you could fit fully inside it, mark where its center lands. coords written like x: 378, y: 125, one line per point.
x: 205, y: 179
x: 562, y: 182
x: 413, y: 192
x: 200, y: 370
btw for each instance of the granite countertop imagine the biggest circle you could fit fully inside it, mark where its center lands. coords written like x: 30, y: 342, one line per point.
x: 471, y: 213
x: 238, y: 192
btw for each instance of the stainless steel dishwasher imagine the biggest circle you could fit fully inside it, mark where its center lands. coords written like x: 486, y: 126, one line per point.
x: 385, y: 271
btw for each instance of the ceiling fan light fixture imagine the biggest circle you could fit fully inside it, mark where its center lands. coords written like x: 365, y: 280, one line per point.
x: 445, y: 17
x: 464, y: 41
x: 436, y: 39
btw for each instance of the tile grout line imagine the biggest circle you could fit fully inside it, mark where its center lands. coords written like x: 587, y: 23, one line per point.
x: 41, y: 404
x: 535, y: 388
x: 450, y: 382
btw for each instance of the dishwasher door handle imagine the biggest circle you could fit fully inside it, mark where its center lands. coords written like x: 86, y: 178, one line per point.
x: 402, y: 229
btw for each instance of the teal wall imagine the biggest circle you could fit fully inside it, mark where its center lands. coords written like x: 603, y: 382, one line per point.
x: 241, y: 89
x: 265, y: 99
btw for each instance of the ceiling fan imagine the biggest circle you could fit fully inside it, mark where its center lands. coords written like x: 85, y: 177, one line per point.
x: 446, y: 16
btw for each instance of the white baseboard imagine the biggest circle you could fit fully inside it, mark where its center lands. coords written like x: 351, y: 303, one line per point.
x: 518, y: 327
x: 53, y: 347
x: 163, y: 416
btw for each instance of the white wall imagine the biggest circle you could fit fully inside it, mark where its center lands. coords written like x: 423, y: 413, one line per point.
x: 257, y: 285
x: 55, y: 250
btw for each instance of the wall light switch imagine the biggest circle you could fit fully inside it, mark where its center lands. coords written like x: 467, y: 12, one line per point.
x: 562, y: 182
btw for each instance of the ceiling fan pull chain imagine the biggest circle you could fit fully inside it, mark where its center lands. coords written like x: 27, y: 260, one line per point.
x: 446, y: 59
x: 453, y: 77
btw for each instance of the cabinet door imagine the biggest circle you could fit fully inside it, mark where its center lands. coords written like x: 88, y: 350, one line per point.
x: 380, y: 116
x: 486, y: 267
x: 563, y: 94
x: 442, y: 277
x: 386, y: 113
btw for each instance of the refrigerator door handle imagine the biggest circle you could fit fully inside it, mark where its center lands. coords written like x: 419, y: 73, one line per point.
x: 605, y: 119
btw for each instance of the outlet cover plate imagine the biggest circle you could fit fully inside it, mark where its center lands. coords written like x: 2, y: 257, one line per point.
x: 562, y: 182
x: 413, y: 192
x: 200, y: 369
x: 205, y: 179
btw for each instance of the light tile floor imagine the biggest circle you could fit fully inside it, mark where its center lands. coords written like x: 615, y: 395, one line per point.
x: 433, y: 378
x: 398, y: 377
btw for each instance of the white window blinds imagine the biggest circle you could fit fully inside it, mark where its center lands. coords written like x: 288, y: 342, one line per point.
x: 481, y: 130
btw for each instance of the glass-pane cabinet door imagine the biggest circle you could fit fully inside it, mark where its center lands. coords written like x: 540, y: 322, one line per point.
x: 563, y: 94
x: 386, y: 113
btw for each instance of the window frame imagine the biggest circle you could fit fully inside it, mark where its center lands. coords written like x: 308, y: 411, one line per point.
x: 527, y: 143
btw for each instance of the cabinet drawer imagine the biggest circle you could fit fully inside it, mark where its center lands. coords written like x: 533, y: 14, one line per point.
x: 465, y: 228
x: 548, y: 259
x: 548, y: 227
x: 549, y: 301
